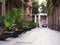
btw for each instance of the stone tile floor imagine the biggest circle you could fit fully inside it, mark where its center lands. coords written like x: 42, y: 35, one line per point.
x: 37, y: 36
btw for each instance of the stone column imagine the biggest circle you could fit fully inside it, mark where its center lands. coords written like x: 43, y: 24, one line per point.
x: 35, y: 19
x: 3, y: 7
x: 39, y: 21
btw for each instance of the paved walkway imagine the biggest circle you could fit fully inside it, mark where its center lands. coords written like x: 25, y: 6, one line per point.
x: 37, y: 36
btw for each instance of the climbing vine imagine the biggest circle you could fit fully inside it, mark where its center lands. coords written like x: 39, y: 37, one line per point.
x: 50, y: 6
x: 35, y: 7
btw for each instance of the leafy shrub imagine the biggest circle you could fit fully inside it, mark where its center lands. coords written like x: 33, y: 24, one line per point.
x: 24, y: 23
x: 1, y: 20
x: 10, y: 17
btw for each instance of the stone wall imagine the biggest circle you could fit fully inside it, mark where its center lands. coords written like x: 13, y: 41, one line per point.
x: 54, y: 20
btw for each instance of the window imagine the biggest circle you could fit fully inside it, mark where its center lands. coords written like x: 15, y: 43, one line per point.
x: 26, y: 0
x: 43, y: 17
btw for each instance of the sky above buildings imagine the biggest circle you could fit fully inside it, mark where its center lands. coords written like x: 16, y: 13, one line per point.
x: 40, y: 1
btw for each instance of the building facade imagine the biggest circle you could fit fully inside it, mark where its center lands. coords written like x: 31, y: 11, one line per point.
x: 27, y: 7
x: 7, y: 5
x: 54, y: 19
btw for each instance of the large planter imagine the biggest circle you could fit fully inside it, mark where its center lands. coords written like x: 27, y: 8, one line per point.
x: 10, y: 34
x: 14, y: 35
x: 3, y: 36
x: 27, y: 28
x: 19, y: 32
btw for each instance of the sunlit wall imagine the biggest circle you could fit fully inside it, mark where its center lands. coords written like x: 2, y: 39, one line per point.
x: 40, y: 1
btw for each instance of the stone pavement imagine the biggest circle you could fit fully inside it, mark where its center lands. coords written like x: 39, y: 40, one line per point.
x: 37, y: 36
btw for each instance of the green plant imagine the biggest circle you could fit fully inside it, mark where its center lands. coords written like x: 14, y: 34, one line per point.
x: 50, y: 6
x: 35, y: 7
x: 31, y: 24
x: 10, y: 17
x: 21, y: 23
x: 1, y: 20
x: 43, y: 7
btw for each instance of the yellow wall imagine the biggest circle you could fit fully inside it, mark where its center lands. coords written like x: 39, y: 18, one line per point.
x: 36, y: 0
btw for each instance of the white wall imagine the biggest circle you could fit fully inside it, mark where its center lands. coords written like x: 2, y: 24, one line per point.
x: 39, y: 18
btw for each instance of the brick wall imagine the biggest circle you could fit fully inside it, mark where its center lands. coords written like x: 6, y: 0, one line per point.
x: 28, y: 10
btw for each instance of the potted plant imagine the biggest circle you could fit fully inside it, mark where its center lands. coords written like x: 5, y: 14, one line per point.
x: 3, y: 35
x: 8, y: 19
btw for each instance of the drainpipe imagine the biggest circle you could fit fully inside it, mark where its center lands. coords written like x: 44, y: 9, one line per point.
x: 35, y: 19
x: 3, y: 7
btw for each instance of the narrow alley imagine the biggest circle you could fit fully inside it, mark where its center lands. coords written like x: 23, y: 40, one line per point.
x: 37, y: 36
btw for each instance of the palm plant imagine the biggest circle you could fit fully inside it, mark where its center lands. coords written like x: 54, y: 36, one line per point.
x: 10, y: 17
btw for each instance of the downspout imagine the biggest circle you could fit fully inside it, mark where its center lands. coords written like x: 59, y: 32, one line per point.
x: 3, y: 7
